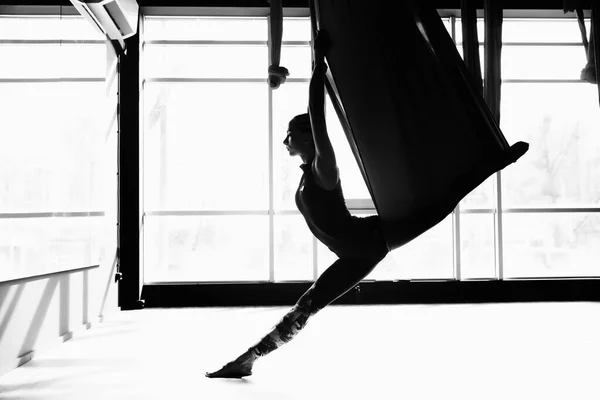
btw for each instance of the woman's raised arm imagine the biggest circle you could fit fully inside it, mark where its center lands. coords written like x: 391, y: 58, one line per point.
x: 324, y: 165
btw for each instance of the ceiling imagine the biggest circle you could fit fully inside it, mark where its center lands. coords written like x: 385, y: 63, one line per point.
x: 507, y: 4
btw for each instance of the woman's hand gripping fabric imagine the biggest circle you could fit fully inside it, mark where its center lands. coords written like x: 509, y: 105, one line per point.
x: 321, y: 46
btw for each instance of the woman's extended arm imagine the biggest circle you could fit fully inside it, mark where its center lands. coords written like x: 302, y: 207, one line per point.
x: 324, y: 165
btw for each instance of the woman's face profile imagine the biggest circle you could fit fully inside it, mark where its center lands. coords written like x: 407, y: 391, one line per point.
x: 297, y: 142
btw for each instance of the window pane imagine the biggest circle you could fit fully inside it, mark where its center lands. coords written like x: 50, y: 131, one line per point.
x: 214, y: 61
x: 296, y: 29
x: 481, y: 57
x: 47, y: 28
x: 531, y: 30
x: 206, y: 146
x: 78, y: 28
x: 389, y: 269
x: 297, y: 59
x: 34, y: 246
x: 542, y: 62
x: 430, y: 256
x: 551, y: 245
x: 541, y: 30
x: 205, y: 28
x: 447, y: 25
x: 353, y: 184
x: 55, y: 161
x: 477, y: 256
x: 79, y: 240
x: 560, y: 121
x: 58, y: 60
x: 480, y: 31
x: 57, y: 150
x: 206, y: 248
x: 482, y: 196
x: 293, y: 249
x: 289, y: 100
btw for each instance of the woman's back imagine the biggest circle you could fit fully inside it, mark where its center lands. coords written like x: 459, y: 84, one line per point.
x: 328, y: 218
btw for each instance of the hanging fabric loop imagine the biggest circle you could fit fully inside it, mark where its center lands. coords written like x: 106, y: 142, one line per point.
x: 493, y: 52
x: 424, y: 138
x: 470, y: 41
x: 590, y: 72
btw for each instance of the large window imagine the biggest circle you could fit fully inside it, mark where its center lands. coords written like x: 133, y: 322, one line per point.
x: 219, y: 187
x: 217, y: 191
x: 54, y: 131
x: 551, y: 198
x: 548, y: 223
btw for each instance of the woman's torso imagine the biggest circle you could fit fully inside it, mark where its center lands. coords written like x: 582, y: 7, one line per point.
x: 328, y: 218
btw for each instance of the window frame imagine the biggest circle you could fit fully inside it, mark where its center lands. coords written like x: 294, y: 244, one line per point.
x: 227, y: 12
x: 26, y: 11
x: 365, y: 206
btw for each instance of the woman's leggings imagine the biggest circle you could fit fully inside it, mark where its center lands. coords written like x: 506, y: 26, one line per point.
x: 340, y: 277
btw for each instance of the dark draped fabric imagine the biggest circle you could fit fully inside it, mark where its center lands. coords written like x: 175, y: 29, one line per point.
x: 470, y: 44
x: 493, y: 53
x: 420, y: 130
x: 594, y: 45
x: 493, y: 50
x: 591, y: 71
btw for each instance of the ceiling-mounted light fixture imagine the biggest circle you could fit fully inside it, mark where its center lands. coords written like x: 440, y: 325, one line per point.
x: 117, y: 19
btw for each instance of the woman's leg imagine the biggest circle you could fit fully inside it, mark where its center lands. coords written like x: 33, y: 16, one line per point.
x: 340, y: 277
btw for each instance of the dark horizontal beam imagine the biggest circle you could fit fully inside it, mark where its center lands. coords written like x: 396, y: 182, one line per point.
x: 507, y: 4
x: 402, y: 292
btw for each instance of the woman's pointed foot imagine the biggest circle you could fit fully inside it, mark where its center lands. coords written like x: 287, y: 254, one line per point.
x: 231, y: 370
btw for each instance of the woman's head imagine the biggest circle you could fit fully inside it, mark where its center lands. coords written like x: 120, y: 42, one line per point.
x: 299, y: 139
x: 301, y: 122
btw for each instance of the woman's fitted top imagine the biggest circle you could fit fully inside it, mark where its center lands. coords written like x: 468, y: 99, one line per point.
x: 328, y: 218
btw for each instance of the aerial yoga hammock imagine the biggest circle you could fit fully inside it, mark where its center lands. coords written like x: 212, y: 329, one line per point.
x: 420, y: 131
x: 417, y: 125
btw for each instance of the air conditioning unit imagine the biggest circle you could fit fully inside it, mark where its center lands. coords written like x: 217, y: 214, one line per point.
x: 117, y: 19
